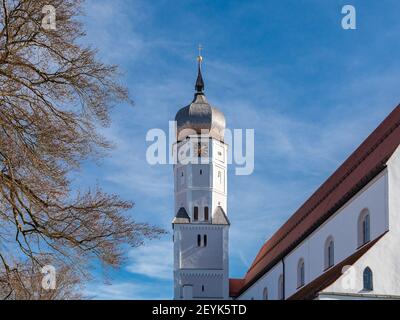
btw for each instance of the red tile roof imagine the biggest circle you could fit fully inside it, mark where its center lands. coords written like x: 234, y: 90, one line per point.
x: 360, y: 167
x: 234, y: 286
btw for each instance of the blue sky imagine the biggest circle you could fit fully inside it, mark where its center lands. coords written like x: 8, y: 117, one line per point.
x: 311, y: 90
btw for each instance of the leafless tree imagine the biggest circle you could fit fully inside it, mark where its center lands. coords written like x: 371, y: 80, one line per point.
x: 28, y: 282
x: 54, y: 93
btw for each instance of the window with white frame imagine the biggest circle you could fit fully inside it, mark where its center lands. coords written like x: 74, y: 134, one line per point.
x: 300, y: 273
x: 364, y: 227
x: 329, y: 252
x: 368, y: 280
x: 265, y: 293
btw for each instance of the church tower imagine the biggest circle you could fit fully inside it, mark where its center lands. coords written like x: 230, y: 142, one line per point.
x: 200, y: 225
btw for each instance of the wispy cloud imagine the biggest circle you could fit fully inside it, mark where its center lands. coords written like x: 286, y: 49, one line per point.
x: 128, y: 290
x: 153, y: 260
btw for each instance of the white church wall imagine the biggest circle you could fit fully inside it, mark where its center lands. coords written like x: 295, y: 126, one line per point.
x: 343, y: 227
x: 202, y: 185
x: 200, y: 199
x: 181, y: 202
x: 219, y: 151
x: 344, y: 296
x: 383, y: 258
x: 181, y: 179
x: 205, y: 268
x: 225, y: 262
x: 204, y: 285
x: 219, y: 200
x: 385, y: 281
x: 193, y: 256
x: 219, y: 180
x: 200, y: 176
x: 270, y: 281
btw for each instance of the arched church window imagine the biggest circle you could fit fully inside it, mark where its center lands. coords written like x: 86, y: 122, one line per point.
x: 201, y: 172
x: 280, y: 287
x: 329, y: 252
x: 367, y: 279
x: 196, y: 213
x: 205, y: 240
x: 206, y: 213
x: 300, y: 273
x: 198, y: 240
x: 265, y: 294
x: 364, y: 228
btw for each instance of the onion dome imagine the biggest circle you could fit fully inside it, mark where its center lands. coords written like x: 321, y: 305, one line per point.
x: 200, y: 117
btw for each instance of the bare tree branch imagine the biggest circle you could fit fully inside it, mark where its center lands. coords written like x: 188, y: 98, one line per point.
x: 53, y: 95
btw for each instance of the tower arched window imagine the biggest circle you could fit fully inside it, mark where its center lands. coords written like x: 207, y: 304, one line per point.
x: 368, y: 279
x: 206, y: 213
x: 196, y: 213
x: 205, y: 240
x: 198, y: 240
x: 364, y: 227
x: 300, y: 273
x: 280, y: 287
x: 265, y: 293
x: 329, y: 252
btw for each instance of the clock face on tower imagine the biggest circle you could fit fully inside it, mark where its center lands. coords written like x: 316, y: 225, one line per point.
x: 185, y: 152
x: 202, y: 149
x: 188, y: 151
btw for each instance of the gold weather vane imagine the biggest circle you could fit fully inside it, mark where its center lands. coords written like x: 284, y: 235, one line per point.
x: 199, y: 82
x: 200, y: 57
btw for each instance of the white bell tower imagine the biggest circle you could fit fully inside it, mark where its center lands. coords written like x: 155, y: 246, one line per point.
x: 200, y: 226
